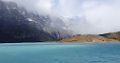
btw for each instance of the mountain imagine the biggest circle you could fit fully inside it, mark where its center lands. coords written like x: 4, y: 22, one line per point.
x: 114, y: 35
x: 86, y: 38
x: 19, y: 25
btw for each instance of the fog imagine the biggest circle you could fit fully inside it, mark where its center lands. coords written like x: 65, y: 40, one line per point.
x: 80, y: 16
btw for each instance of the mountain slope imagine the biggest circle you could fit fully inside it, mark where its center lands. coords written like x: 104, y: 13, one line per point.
x: 86, y: 38
x: 114, y: 35
x: 19, y: 25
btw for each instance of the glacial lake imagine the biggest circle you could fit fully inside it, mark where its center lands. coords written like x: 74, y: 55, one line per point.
x: 60, y: 53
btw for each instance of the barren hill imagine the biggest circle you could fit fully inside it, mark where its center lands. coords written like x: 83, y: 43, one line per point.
x: 87, y: 38
x: 114, y: 35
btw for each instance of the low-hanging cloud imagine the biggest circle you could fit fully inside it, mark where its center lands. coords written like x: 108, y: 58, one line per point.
x: 96, y: 16
x: 80, y: 16
x: 37, y: 6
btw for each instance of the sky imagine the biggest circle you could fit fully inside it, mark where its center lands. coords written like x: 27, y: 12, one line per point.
x: 81, y: 16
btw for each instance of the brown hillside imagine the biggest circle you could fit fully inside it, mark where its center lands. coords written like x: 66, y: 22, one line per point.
x: 86, y: 38
x: 115, y: 35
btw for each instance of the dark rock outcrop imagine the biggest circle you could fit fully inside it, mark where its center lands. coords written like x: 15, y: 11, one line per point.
x: 18, y: 25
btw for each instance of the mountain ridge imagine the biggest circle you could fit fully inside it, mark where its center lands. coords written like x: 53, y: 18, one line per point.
x: 19, y: 25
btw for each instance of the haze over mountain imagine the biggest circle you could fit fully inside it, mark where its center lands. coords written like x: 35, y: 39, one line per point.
x: 57, y: 18
x: 98, y: 16
x: 18, y: 24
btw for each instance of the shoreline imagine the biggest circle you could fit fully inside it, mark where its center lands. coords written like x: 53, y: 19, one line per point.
x: 59, y: 42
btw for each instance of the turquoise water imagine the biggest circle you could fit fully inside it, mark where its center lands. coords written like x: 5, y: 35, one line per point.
x: 60, y: 53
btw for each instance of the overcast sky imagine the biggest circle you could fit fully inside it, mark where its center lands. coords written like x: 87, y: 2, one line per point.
x: 96, y: 16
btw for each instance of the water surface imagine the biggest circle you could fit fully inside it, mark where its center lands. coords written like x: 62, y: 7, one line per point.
x: 60, y: 53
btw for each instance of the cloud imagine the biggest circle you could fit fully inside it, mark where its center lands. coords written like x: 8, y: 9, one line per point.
x: 95, y: 16
x: 38, y: 6
x: 105, y: 17
x: 101, y: 16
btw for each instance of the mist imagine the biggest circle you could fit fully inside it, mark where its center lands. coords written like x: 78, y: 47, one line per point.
x: 79, y: 16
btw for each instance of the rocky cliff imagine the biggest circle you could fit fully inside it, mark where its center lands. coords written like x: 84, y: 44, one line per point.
x: 19, y: 25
